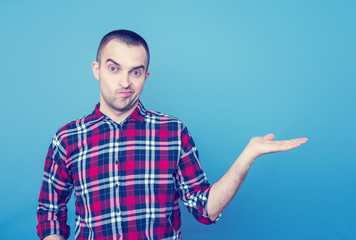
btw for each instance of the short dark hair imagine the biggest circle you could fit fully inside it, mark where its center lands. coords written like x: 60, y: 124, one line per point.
x: 125, y: 36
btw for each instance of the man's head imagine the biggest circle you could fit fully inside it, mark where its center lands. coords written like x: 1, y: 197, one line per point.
x: 121, y: 68
x: 125, y: 36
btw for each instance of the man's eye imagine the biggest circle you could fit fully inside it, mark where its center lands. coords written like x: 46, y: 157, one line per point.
x: 113, y: 69
x: 136, y: 73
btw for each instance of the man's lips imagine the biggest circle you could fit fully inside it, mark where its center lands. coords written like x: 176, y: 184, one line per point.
x: 125, y: 94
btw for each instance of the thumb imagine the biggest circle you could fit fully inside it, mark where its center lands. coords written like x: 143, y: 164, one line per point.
x: 269, y: 137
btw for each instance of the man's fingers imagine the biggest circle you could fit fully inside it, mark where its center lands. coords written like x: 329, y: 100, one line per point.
x: 290, y: 144
x: 299, y: 140
x: 293, y: 141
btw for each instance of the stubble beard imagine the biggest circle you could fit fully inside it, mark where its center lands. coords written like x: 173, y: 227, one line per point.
x: 121, y: 106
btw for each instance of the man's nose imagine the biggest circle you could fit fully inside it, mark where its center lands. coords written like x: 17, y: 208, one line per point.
x: 124, y: 80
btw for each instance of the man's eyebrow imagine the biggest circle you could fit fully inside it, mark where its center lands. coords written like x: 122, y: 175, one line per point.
x: 138, y: 67
x: 110, y: 60
x: 134, y: 68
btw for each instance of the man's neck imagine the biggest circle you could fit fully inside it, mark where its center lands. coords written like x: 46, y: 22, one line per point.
x: 116, y: 116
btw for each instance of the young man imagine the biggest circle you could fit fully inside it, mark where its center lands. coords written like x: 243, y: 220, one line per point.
x: 128, y: 165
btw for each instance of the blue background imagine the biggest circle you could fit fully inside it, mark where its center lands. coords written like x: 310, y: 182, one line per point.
x: 230, y: 70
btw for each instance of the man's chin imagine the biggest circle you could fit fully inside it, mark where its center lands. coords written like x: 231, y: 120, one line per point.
x: 125, y: 107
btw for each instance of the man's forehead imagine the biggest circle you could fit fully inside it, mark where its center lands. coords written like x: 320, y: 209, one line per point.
x: 116, y: 50
x: 117, y: 44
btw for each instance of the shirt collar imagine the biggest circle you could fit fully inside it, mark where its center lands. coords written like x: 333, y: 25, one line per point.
x: 138, y: 114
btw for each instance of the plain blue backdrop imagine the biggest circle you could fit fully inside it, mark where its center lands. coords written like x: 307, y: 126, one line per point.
x: 230, y: 70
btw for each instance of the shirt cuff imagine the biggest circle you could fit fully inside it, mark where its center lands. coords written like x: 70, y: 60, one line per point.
x: 47, y: 228
x: 205, y: 209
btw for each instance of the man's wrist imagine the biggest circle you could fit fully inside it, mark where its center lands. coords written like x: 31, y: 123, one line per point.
x: 248, y: 156
x: 54, y: 237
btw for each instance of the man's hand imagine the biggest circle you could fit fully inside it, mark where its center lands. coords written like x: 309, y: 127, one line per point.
x: 222, y: 192
x: 264, y: 145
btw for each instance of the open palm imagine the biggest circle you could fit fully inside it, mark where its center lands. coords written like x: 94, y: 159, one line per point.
x: 264, y: 145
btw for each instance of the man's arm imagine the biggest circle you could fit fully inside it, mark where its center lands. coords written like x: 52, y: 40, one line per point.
x: 57, y: 186
x: 222, y: 192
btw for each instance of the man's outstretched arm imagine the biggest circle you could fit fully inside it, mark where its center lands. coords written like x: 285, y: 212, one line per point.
x: 222, y: 192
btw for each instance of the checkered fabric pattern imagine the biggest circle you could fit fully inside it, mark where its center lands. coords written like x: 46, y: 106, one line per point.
x: 127, y: 178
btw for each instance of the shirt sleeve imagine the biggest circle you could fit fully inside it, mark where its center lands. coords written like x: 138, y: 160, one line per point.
x: 55, y: 192
x: 192, y: 184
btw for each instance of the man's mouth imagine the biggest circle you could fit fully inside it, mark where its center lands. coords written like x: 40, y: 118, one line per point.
x: 125, y: 94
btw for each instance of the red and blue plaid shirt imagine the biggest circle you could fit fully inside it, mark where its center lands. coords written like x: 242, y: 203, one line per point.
x: 127, y: 177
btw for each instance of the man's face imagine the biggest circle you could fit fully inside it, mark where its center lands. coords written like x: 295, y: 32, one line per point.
x: 122, y: 72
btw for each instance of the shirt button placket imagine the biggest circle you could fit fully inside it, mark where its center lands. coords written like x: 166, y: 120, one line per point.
x: 118, y: 146
x: 117, y: 143
x: 117, y: 190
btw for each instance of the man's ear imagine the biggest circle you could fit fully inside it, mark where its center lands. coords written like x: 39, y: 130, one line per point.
x: 147, y: 74
x: 95, y: 66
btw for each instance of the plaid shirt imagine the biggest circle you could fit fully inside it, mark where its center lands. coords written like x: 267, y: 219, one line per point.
x: 127, y: 177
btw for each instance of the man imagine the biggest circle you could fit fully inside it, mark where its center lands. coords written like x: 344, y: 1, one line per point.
x: 129, y: 166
